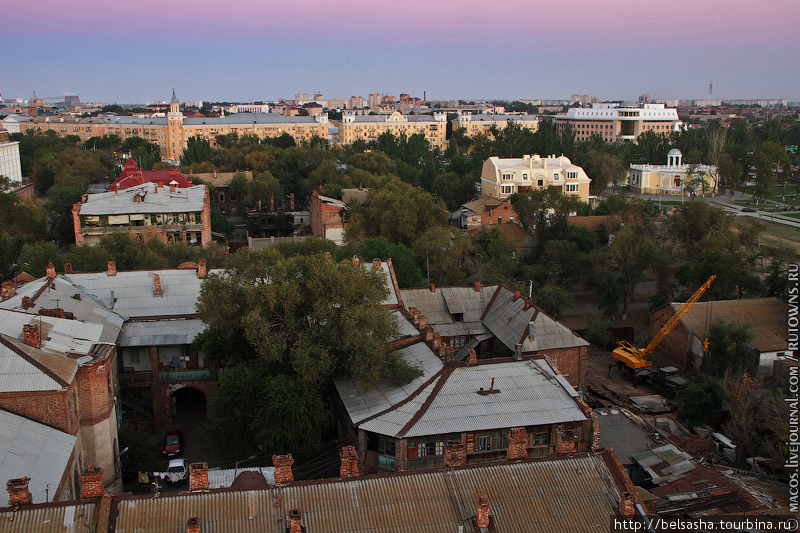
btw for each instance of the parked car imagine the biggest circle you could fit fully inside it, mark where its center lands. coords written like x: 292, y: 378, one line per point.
x: 177, y: 471
x: 173, y: 443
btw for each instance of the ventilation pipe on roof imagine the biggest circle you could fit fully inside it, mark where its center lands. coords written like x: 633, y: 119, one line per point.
x: 518, y: 352
x: 531, y: 334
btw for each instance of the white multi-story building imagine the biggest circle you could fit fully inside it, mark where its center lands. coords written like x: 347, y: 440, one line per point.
x: 501, y: 178
x: 482, y: 123
x: 674, y: 178
x: 618, y: 122
x: 10, y: 164
x: 249, y: 108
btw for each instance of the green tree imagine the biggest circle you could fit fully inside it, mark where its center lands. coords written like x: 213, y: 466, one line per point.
x: 439, y: 251
x: 602, y: 168
x: 729, y: 348
x: 544, y: 213
x: 771, y: 160
x: 701, y: 403
x: 454, y: 189
x: 254, y: 411
x: 630, y: 253
x: 220, y: 224
x: 492, y: 256
x: 197, y: 150
x: 35, y: 256
x: 552, y: 300
x: 309, y: 317
x: 406, y: 270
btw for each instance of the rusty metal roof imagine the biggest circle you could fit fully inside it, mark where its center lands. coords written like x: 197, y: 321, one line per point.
x: 72, y: 517
x: 565, y: 494
x: 765, y: 317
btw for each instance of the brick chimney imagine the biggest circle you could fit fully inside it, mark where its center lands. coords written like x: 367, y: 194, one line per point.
x: 296, y: 521
x: 428, y: 333
x: 477, y: 286
x: 433, y: 287
x: 283, y: 468
x: 193, y: 525
x: 423, y: 320
x: 172, y: 186
x: 201, y: 268
x: 376, y: 264
x: 51, y: 270
x: 356, y: 261
x: 92, y: 482
x: 482, y: 513
x: 517, y: 294
x: 67, y: 268
x: 565, y: 443
x: 31, y: 335
x: 454, y: 453
x: 198, y: 476
x: 9, y: 291
x: 27, y: 302
x: 472, y: 358
x: 157, y: 285
x: 437, y: 341
x: 517, y: 444
x: 349, y: 457
x: 627, y: 506
x: 112, y: 268
x: 18, y: 493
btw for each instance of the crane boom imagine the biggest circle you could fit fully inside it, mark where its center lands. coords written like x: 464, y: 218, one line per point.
x: 636, y: 358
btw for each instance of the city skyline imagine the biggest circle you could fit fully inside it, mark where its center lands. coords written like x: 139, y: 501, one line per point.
x: 510, y: 50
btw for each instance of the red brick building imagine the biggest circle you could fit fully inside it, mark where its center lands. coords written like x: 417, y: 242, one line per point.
x: 484, y: 211
x: 132, y: 175
x: 327, y: 218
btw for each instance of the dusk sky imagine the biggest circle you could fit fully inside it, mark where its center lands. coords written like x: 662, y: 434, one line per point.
x: 245, y: 50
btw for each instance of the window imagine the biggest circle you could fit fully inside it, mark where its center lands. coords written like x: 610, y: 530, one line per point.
x: 490, y: 440
x: 133, y: 356
x: 572, y: 174
x: 506, y: 189
x: 555, y: 176
x: 572, y: 187
x: 457, y: 342
x: 541, y: 439
x: 525, y: 176
x: 540, y: 183
x: 507, y: 176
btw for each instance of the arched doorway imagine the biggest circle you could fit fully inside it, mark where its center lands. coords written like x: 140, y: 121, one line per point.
x: 188, y: 403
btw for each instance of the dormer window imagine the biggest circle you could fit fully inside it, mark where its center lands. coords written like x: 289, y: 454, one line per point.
x: 507, y: 176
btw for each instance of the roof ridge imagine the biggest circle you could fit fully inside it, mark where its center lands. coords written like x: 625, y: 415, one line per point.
x: 445, y: 373
x: 410, y: 397
x: 30, y: 359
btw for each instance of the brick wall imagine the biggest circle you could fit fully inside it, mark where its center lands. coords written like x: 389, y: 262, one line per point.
x: 323, y: 217
x: 53, y: 408
x: 571, y: 362
x: 499, y: 215
x: 95, y: 390
x: 162, y: 398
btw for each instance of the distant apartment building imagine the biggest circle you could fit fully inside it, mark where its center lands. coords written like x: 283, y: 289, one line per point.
x: 368, y: 128
x: 356, y: 102
x: 502, y: 177
x: 483, y: 124
x: 145, y: 211
x: 674, y: 178
x: 617, y: 122
x: 250, y: 108
x: 10, y: 164
x: 173, y: 132
x: 374, y: 100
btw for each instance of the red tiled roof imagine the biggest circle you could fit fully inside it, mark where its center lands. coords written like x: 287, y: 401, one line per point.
x: 132, y: 176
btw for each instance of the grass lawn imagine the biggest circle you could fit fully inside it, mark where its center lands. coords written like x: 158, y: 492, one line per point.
x: 774, y: 233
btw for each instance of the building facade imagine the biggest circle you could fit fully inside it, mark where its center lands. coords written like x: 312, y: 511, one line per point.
x: 501, y: 177
x: 10, y: 163
x: 146, y: 211
x: 368, y: 128
x: 674, y: 178
x: 484, y: 124
x: 617, y: 122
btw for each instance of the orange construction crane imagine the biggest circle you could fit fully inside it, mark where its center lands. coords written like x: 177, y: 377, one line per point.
x: 634, y: 357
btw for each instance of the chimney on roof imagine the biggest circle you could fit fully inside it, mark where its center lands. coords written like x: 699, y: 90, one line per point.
x: 454, y: 453
x: 291, y: 201
x: 18, y: 493
x: 531, y: 333
x: 283, y: 468
x: 173, y: 185
x: 27, y: 302
x: 472, y: 358
x: 112, y: 268
x: 437, y: 341
x: 92, y: 482
x: 31, y: 335
x: 193, y: 525
x: 157, y: 285
x: 433, y: 287
x: 296, y: 521
x: 356, y: 261
x: 517, y: 294
x: 627, y: 506
x: 518, y: 352
x: 428, y: 333
x: 201, y: 268
x: 517, y: 444
x: 477, y: 286
x: 423, y: 320
x: 84, y: 198
x: 198, y: 476
x: 412, y: 313
x: 67, y: 268
x: 9, y: 291
x: 482, y: 513
x: 349, y: 466
x: 116, y: 192
x: 376, y: 264
x: 51, y: 270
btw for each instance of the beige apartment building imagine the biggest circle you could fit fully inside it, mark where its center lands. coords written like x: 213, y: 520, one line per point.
x: 617, y: 122
x: 501, y: 178
x: 369, y: 127
x: 674, y: 178
x: 482, y: 124
x: 173, y: 132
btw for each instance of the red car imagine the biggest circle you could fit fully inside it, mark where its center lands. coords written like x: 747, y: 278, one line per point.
x: 173, y: 443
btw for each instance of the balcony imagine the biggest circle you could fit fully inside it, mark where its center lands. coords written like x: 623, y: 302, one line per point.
x: 184, y: 375
x: 104, y: 230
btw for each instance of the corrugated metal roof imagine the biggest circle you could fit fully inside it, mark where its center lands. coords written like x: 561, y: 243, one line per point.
x: 160, y: 332
x: 18, y: 374
x: 130, y: 293
x: 186, y: 200
x: 249, y: 118
x: 57, y: 518
x: 405, y: 327
x: 57, y: 334
x: 559, y: 495
x: 765, y: 317
x: 387, y: 277
x: 508, y: 320
x: 530, y: 395
x: 435, y: 308
x: 28, y: 448
x: 219, y: 479
x: 61, y: 294
x: 362, y: 402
